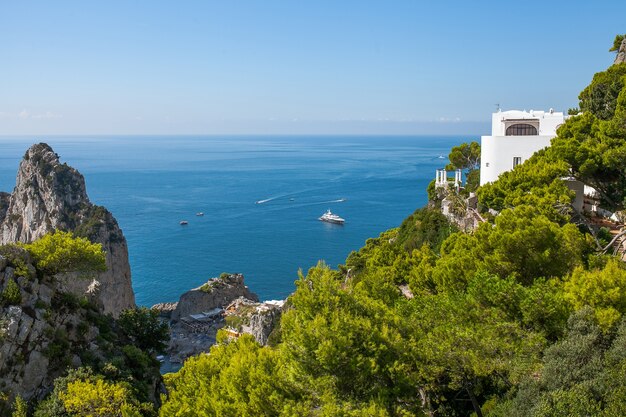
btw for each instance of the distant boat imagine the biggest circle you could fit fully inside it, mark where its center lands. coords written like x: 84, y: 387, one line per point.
x: 441, y: 157
x: 184, y: 222
x: 331, y: 218
x: 341, y: 200
x: 199, y: 214
x: 292, y: 199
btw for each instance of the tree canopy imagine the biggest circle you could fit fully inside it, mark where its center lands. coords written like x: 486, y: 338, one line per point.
x: 60, y: 252
x: 617, y: 42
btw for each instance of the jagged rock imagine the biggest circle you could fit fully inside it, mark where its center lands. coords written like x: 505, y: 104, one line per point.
x: 261, y: 323
x: 50, y: 195
x: 254, y: 318
x: 217, y: 292
x: 165, y: 309
x: 620, y: 58
x: 4, y: 204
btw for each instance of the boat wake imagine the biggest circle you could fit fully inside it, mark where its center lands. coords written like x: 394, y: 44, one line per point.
x: 317, y: 203
x: 265, y: 201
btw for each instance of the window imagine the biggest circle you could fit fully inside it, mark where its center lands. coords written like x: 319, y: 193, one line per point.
x: 521, y: 129
x: 516, y: 161
x: 486, y: 164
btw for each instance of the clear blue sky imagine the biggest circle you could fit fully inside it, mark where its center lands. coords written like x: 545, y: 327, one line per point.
x: 212, y: 67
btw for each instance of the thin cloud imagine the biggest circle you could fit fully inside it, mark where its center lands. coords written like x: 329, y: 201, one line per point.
x: 27, y: 115
x: 46, y: 115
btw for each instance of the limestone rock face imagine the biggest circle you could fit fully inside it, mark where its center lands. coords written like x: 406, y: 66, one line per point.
x: 49, y: 195
x: 33, y: 328
x: 621, y: 54
x: 4, y: 204
x: 262, y: 322
x: 217, y: 292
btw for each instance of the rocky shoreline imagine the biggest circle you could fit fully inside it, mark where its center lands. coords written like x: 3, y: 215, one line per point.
x: 222, y: 302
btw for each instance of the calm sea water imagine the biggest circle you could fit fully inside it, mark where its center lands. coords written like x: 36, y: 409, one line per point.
x: 150, y: 184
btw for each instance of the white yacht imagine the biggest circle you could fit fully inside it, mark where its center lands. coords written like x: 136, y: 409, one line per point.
x: 331, y: 218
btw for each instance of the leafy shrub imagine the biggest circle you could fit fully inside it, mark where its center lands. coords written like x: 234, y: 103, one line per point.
x: 19, y: 259
x: 143, y: 327
x: 62, y: 252
x: 425, y: 226
x: 11, y: 295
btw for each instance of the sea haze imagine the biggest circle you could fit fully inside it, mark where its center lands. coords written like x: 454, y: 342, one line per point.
x: 150, y: 184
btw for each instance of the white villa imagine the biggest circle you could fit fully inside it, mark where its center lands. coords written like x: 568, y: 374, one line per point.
x: 515, y: 136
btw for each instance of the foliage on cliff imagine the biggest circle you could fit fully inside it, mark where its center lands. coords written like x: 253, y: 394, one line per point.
x: 61, y: 252
x: 466, y: 157
x: 43, y: 323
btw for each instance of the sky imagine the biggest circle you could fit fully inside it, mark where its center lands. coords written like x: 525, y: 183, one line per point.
x: 293, y: 67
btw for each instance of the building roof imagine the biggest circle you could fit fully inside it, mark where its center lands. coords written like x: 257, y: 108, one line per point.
x: 523, y: 114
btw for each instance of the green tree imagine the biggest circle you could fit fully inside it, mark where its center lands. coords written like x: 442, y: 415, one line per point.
x: 95, y: 398
x: 340, y: 334
x: 528, y: 245
x: 570, y: 381
x: 596, y: 156
x: 603, y: 289
x: 144, y: 329
x: 60, y: 252
x: 460, y: 345
x: 466, y: 156
x: 11, y: 295
x: 522, y: 243
x: 425, y: 226
x: 537, y: 183
x: 617, y: 43
x: 600, y: 97
x: 83, y: 393
x: 20, y: 407
x: 239, y: 378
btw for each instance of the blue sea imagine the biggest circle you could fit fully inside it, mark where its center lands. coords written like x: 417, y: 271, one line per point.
x: 151, y: 183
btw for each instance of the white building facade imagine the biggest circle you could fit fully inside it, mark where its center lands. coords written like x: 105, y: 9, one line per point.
x: 515, y: 136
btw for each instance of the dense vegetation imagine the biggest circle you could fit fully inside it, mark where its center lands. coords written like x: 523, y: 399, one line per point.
x: 62, y: 252
x: 522, y: 317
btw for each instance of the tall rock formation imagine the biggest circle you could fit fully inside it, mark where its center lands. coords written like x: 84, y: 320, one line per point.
x: 49, y: 195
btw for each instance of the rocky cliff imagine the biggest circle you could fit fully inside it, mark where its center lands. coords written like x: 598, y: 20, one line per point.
x: 217, y: 292
x: 256, y: 319
x: 49, y: 195
x: 45, y: 331
x: 42, y: 330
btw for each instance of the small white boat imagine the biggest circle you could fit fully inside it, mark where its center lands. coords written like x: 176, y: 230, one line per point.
x: 184, y: 222
x: 441, y: 157
x: 330, y: 217
x: 199, y: 214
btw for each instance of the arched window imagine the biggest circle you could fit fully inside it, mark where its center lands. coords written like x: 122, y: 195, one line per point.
x: 521, y: 129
